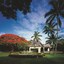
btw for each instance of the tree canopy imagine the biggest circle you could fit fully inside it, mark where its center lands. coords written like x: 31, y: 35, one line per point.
x: 56, y: 11
x: 36, y: 36
x: 11, y: 38
x: 9, y: 7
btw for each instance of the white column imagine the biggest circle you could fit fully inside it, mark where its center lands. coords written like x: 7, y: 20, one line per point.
x: 48, y: 49
x: 39, y: 50
x: 29, y: 49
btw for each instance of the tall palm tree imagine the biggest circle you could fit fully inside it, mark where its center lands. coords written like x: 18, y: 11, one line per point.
x: 56, y: 11
x: 49, y: 28
x: 36, y: 36
x: 52, y: 40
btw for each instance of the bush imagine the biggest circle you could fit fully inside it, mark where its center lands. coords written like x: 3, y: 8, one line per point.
x: 13, y: 47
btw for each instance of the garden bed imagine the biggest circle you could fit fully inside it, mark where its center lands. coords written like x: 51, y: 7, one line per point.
x: 25, y: 54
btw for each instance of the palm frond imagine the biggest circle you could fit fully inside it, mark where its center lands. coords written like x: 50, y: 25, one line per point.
x: 36, y: 36
x: 49, y: 18
x: 49, y: 13
x: 40, y: 35
x: 54, y: 24
x: 62, y: 14
x: 59, y: 22
x: 54, y: 4
x: 55, y: 29
x: 39, y: 39
x: 32, y: 36
x: 52, y: 19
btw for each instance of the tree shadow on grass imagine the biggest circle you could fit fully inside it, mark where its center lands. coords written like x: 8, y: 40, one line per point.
x: 11, y: 60
x: 57, y: 60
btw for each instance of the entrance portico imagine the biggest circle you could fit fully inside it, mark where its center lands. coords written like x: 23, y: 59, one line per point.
x: 35, y: 48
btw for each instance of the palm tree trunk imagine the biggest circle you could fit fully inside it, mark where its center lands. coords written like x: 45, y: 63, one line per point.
x: 53, y: 47
x: 57, y: 39
x: 57, y: 36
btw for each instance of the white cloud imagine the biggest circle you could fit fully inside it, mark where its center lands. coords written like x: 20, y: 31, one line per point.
x: 32, y: 21
x: 1, y: 33
x: 24, y: 33
x: 27, y: 34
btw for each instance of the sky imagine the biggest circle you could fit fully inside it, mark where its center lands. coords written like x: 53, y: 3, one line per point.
x: 25, y: 25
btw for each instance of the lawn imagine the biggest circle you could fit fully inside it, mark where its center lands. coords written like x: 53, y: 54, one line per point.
x: 47, y: 59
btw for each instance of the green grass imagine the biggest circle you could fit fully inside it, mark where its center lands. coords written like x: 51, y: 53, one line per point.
x: 48, y: 59
x: 3, y: 54
x: 54, y: 56
x: 58, y: 58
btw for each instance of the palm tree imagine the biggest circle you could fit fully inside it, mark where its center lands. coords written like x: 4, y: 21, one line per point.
x: 36, y: 36
x: 56, y: 11
x: 49, y: 28
x: 52, y: 40
x: 48, y: 41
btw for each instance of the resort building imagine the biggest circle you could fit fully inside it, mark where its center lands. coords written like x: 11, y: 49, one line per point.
x: 37, y: 46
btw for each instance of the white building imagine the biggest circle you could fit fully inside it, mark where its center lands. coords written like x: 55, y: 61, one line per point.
x: 37, y: 46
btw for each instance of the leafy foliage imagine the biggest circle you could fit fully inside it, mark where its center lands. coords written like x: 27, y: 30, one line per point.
x: 56, y: 11
x: 54, y: 15
x: 11, y: 38
x: 61, y: 45
x: 11, y: 42
x: 10, y: 7
x: 49, y: 28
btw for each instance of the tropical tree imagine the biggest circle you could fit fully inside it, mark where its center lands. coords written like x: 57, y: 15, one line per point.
x: 61, y: 45
x: 36, y: 36
x: 55, y: 13
x: 49, y: 28
x: 52, y: 39
x: 9, y: 7
x: 48, y: 41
